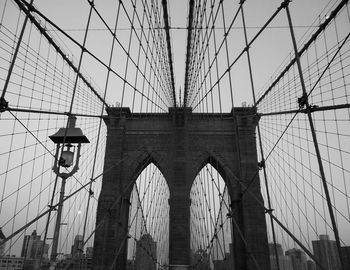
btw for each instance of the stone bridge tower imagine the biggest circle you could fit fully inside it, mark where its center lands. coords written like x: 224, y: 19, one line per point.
x: 180, y: 143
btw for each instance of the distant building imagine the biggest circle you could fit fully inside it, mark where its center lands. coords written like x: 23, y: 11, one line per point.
x: 146, y: 253
x: 285, y: 262
x: 33, y: 247
x: 225, y: 263
x: 27, y: 246
x: 82, y: 262
x: 326, y: 253
x: 2, y: 244
x: 311, y: 265
x: 31, y: 264
x: 201, y: 260
x: 345, y: 253
x: 89, y: 252
x: 11, y: 263
x: 220, y: 264
x: 298, y: 258
x: 77, y: 248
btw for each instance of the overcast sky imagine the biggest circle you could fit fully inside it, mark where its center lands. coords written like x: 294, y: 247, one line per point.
x: 267, y: 53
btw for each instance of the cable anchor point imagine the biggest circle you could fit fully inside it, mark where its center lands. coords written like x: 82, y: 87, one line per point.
x: 303, y: 101
x: 261, y: 164
x: 4, y: 105
x: 52, y: 207
x: 269, y: 210
x: 285, y: 3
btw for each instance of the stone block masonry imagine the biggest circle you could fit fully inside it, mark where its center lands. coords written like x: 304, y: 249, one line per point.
x: 180, y: 143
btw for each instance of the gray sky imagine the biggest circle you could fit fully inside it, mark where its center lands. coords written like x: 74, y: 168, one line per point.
x: 270, y: 50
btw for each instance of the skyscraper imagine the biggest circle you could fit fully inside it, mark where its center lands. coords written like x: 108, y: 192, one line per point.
x: 201, y: 260
x: 311, y: 265
x: 33, y: 247
x: 89, y: 252
x: 285, y: 262
x: 298, y: 258
x: 326, y: 253
x: 146, y: 253
x: 77, y: 248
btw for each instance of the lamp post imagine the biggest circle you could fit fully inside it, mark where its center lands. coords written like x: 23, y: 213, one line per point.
x: 67, y: 140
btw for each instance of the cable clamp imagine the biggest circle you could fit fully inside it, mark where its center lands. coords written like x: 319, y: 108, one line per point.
x: 91, y: 192
x: 310, y: 108
x: 269, y: 210
x: 302, y: 101
x: 261, y: 164
x: 52, y: 207
x: 31, y: 8
x: 285, y: 3
x: 4, y: 105
x: 246, y: 48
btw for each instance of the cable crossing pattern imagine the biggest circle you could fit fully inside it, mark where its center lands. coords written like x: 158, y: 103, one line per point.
x: 79, y: 60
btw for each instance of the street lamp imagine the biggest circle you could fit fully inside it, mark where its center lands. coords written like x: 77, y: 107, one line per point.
x: 67, y: 140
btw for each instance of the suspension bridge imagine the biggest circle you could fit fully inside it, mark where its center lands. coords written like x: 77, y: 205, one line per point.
x: 194, y: 134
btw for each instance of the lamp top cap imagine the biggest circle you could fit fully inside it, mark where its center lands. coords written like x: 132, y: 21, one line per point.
x: 70, y: 134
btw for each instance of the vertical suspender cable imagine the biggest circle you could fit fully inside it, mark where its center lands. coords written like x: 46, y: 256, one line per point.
x: 260, y: 139
x: 100, y: 122
x: 188, y: 50
x: 170, y: 58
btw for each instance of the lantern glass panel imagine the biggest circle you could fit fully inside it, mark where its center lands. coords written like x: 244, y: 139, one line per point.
x: 66, y: 159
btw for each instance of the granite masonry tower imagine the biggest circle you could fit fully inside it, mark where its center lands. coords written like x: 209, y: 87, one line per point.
x: 180, y: 143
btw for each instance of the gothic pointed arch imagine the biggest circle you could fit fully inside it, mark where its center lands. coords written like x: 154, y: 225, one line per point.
x: 144, y: 160
x: 148, y: 222
x: 211, y: 229
x: 227, y: 170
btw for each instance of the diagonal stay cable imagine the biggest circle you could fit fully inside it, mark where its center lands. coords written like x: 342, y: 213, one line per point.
x: 27, y: 10
x: 52, y: 207
x: 216, y: 51
x: 243, y: 50
x: 15, y: 55
x: 121, y: 45
x: 45, y: 33
x: 319, y: 30
x: 312, y: 89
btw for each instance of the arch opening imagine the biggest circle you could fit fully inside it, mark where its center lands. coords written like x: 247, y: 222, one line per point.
x: 148, y: 227
x: 210, y: 226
